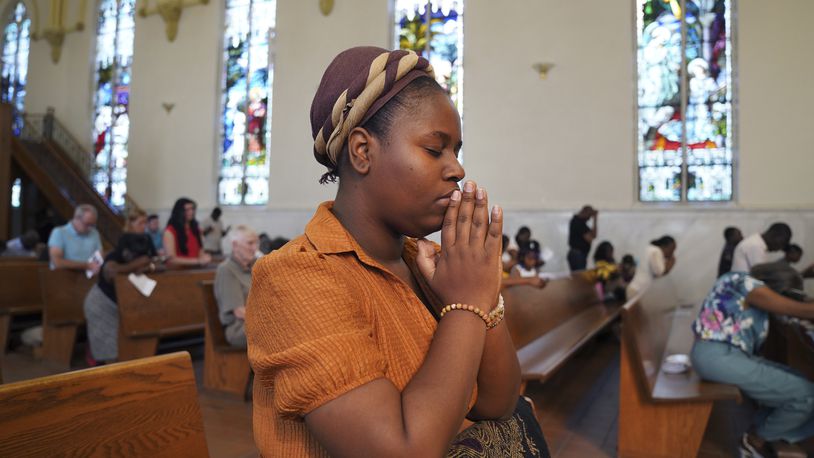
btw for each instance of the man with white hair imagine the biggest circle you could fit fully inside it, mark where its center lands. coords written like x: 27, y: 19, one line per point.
x: 72, y: 246
x: 232, y: 281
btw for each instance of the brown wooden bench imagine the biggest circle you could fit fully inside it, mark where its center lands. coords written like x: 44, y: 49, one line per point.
x: 147, y: 407
x: 549, y: 325
x: 20, y: 294
x: 63, y: 296
x: 226, y: 368
x: 174, y: 308
x: 661, y: 414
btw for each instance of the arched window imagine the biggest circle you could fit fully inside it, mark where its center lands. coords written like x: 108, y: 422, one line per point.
x: 685, y: 95
x: 246, y: 82
x: 16, y: 41
x: 111, y: 117
x: 441, y: 42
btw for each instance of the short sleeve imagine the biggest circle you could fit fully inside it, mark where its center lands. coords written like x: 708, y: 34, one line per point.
x: 656, y: 261
x: 310, y: 338
x: 749, y: 283
x: 97, y: 241
x: 56, y: 239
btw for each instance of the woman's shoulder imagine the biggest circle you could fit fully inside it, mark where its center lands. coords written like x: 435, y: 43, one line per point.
x: 298, y: 259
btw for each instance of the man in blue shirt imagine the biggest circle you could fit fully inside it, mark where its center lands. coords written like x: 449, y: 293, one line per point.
x: 71, y: 246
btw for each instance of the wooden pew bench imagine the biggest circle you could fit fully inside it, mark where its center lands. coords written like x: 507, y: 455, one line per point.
x: 63, y: 296
x: 175, y: 307
x: 147, y: 407
x: 661, y: 414
x: 20, y: 293
x: 549, y: 325
x: 226, y: 368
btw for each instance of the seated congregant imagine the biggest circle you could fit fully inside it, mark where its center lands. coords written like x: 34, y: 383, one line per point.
x: 182, y: 237
x: 731, y: 326
x: 73, y: 245
x: 232, y: 282
x: 133, y: 254
x: 155, y: 233
x: 528, y: 261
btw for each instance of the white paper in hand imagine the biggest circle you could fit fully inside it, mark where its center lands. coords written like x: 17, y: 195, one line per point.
x: 144, y: 284
x: 97, y: 258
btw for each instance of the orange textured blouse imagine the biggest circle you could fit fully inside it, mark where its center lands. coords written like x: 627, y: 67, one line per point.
x: 323, y: 318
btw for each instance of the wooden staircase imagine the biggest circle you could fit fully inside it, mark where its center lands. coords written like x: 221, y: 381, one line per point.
x: 63, y: 178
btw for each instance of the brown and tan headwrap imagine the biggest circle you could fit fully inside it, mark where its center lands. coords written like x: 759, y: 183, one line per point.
x: 355, y: 86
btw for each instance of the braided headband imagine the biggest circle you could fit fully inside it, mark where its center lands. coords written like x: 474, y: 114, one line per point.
x: 353, y: 103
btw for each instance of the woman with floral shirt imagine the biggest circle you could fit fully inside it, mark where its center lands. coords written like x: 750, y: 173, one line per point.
x: 731, y: 327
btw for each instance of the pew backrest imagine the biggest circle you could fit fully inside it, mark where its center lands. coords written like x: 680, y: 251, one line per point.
x: 532, y: 312
x: 213, y: 324
x: 175, y: 303
x: 146, y: 407
x: 21, y: 284
x: 63, y: 295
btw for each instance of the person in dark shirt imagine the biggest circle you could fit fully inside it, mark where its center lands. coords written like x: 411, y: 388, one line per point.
x: 134, y: 253
x: 580, y: 237
x: 733, y: 237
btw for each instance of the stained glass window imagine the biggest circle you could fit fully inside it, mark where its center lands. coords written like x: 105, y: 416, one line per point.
x: 441, y: 42
x: 246, y: 81
x: 685, y: 100
x: 111, y: 116
x: 16, y: 41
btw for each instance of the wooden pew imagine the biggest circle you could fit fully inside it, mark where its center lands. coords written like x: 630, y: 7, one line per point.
x: 661, y: 414
x: 63, y: 296
x: 147, y: 407
x: 174, y: 307
x: 226, y: 368
x: 20, y: 293
x: 549, y: 325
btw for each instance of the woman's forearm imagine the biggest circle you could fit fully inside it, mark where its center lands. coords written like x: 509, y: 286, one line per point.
x: 498, y: 377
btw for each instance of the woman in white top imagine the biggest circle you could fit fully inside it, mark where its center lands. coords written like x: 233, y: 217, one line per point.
x: 658, y: 260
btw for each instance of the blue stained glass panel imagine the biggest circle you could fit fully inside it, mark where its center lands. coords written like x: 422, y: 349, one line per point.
x: 14, y: 72
x: 111, y: 122
x: 693, y: 121
x: 248, y: 68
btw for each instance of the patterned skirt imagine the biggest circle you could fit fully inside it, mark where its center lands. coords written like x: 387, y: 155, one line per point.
x: 102, y: 318
x: 518, y: 436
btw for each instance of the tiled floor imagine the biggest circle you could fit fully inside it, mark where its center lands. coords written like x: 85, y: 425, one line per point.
x: 578, y: 407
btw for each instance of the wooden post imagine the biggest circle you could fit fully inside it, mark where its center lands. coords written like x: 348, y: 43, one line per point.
x: 5, y: 170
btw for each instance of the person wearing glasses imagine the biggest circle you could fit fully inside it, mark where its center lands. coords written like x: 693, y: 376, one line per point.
x: 73, y: 245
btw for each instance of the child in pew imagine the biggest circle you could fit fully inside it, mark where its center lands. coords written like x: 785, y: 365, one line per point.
x: 731, y: 327
x: 509, y: 256
x: 608, y: 272
x: 528, y: 261
x: 134, y: 253
x: 658, y: 261
x: 355, y: 345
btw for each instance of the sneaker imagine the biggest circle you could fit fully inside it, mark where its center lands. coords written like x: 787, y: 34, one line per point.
x: 752, y: 446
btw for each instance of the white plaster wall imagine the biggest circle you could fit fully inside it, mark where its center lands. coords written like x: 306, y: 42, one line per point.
x: 542, y: 148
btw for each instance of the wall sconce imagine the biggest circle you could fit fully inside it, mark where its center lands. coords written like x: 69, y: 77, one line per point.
x: 326, y: 6
x: 542, y: 68
x: 170, y: 12
x: 55, y: 31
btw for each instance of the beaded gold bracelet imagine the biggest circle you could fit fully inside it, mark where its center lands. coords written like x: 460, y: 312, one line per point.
x: 470, y: 308
x: 497, y: 314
